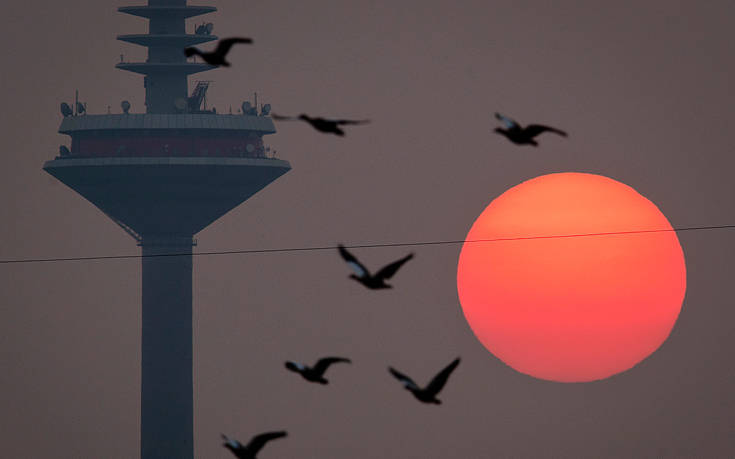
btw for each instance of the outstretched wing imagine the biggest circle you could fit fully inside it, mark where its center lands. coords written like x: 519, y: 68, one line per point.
x: 536, y: 129
x: 188, y: 52
x: 405, y: 380
x: 322, y: 365
x: 224, y: 45
x: 389, y: 270
x: 282, y: 118
x: 356, y: 266
x: 295, y: 366
x: 509, y: 122
x: 440, y: 379
x: 233, y: 444
x: 351, y: 121
x: 259, y: 441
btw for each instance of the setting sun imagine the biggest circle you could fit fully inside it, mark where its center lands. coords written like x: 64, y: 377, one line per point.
x: 580, y: 307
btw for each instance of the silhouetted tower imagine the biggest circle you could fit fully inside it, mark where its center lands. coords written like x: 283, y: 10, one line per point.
x: 163, y: 176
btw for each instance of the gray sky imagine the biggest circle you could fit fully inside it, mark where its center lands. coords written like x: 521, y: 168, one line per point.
x: 643, y: 88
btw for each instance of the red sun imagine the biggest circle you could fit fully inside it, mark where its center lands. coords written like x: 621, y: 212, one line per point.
x: 571, y: 309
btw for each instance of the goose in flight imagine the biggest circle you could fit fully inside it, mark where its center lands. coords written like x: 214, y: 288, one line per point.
x: 427, y: 394
x: 363, y: 276
x: 523, y: 135
x: 315, y: 373
x: 322, y: 124
x: 217, y: 57
x: 250, y: 450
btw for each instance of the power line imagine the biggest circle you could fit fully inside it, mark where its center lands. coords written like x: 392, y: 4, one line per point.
x: 360, y: 246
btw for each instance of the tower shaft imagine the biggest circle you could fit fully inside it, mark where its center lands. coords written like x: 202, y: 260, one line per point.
x: 167, y: 423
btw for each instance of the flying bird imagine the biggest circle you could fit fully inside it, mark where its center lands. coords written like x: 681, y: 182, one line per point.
x: 315, y: 373
x: 217, y: 57
x: 321, y: 124
x: 363, y: 276
x: 250, y: 450
x: 428, y: 393
x: 523, y: 135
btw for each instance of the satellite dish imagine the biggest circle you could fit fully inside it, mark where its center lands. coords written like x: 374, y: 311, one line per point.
x: 125, y: 105
x: 208, y: 28
x: 80, y: 108
x: 66, y: 109
x: 265, y: 110
x: 180, y: 103
x: 63, y: 151
x: 199, y: 30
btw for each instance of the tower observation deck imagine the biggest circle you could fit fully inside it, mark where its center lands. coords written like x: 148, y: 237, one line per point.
x: 163, y: 176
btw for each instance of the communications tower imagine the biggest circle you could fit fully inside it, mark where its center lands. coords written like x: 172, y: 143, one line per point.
x: 163, y: 176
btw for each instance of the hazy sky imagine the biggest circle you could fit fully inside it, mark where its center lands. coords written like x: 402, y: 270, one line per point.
x: 643, y: 88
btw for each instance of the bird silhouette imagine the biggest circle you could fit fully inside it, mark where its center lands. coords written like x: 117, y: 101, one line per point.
x: 321, y: 124
x: 217, y: 57
x: 363, y: 276
x: 315, y: 373
x: 428, y: 393
x: 250, y: 450
x: 523, y: 135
